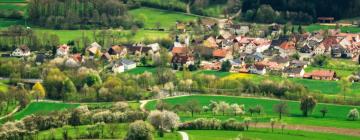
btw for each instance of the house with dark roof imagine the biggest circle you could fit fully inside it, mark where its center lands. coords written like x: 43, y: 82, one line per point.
x: 294, y: 72
x: 179, y: 60
x: 40, y: 58
x: 255, y: 69
x: 117, y: 50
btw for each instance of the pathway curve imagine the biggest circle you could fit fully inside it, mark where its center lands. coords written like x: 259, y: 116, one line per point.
x: 11, y: 113
x: 184, y: 135
x: 310, y: 128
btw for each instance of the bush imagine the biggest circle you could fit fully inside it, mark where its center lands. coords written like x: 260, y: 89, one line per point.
x: 211, y: 124
x: 353, y: 114
x: 139, y: 130
x: 232, y: 124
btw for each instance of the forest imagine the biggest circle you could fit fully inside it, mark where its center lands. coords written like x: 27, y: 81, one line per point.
x: 79, y: 14
x: 316, y: 8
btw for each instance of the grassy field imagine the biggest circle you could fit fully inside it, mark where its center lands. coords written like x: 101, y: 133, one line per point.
x: 123, y: 35
x: 263, y: 134
x: 336, y: 116
x: 167, y: 19
x: 13, y: 6
x: 345, y: 29
x: 8, y: 22
x: 325, y: 87
x: 140, y: 70
x: 120, y: 133
x: 42, y: 107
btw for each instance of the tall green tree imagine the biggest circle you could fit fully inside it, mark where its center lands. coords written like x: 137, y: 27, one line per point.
x: 307, y: 105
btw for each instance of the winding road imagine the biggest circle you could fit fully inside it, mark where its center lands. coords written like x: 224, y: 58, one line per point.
x: 184, y: 135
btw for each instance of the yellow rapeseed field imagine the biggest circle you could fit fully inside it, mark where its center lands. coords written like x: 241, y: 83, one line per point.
x: 234, y: 76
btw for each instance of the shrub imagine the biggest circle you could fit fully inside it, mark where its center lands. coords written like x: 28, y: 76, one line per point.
x: 120, y: 106
x: 353, y: 114
x: 232, y: 124
x: 139, y: 130
x: 103, y: 116
x: 211, y: 124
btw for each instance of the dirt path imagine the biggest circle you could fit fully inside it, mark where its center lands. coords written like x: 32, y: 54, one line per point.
x: 11, y: 113
x: 184, y: 135
x: 341, y: 131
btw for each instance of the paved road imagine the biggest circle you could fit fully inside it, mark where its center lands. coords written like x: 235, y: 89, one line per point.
x: 11, y: 113
x: 184, y: 135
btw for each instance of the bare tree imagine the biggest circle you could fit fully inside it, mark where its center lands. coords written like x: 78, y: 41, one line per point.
x: 281, y: 108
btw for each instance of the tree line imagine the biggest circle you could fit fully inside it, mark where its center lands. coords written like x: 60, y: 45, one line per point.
x: 76, y: 14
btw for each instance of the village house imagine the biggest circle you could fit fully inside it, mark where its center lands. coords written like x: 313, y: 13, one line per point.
x: 323, y: 75
x: 180, y: 60
x: 117, y: 51
x: 294, y: 72
x: 221, y: 53
x: 180, y: 49
x: 281, y: 61
x: 337, y: 51
x: 74, y: 61
x: 319, y: 50
x: 63, y: 50
x: 123, y: 65
x: 205, y: 65
x: 40, y: 58
x: 94, y: 49
x: 118, y: 67
x: 256, y: 69
x: 210, y: 43
x: 236, y: 64
x: 128, y: 64
x: 22, y: 51
x: 287, y: 48
x: 106, y: 56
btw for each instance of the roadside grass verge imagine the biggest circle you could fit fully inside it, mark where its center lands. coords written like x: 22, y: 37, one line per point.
x: 336, y: 116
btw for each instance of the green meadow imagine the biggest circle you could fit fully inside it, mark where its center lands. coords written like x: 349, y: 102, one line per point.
x: 42, y: 108
x: 344, y: 29
x: 263, y: 134
x: 166, y: 19
x: 123, y: 35
x: 336, y: 117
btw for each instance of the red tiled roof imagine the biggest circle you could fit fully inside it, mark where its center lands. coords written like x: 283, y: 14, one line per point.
x: 323, y: 73
x: 179, y: 50
x: 220, y: 53
x: 287, y: 45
